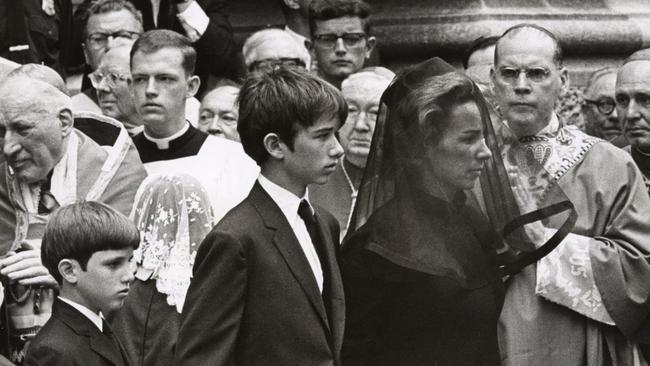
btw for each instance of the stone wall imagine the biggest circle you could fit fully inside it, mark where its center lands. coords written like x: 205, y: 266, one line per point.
x: 593, y: 33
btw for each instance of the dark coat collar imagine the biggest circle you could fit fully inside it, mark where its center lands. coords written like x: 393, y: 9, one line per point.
x: 81, y: 325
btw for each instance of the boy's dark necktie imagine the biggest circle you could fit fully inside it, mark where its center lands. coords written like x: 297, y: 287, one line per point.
x: 304, y: 211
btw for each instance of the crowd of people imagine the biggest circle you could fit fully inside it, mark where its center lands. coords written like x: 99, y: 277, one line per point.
x: 296, y: 203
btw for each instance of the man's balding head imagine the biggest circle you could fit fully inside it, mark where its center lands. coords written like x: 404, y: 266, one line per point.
x: 528, y: 78
x: 633, y: 99
x: 267, y: 46
x: 35, y: 121
x: 41, y: 72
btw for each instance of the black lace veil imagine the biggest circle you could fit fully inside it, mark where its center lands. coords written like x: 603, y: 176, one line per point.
x: 395, y: 175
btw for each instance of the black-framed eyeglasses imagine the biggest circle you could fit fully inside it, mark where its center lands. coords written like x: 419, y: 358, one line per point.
x: 111, y: 78
x: 535, y: 74
x: 604, y: 105
x: 273, y: 63
x: 350, y: 40
x: 100, y: 39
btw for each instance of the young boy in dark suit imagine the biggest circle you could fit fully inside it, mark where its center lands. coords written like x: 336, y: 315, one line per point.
x: 87, y: 247
x: 266, y: 288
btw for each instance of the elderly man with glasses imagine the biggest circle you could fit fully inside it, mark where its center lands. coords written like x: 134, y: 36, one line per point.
x: 108, y: 24
x: 112, y: 80
x: 269, y: 48
x: 341, y: 37
x: 587, y: 301
x: 599, y: 108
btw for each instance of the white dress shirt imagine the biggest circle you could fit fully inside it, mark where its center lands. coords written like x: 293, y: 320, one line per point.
x: 91, y: 315
x: 289, y: 203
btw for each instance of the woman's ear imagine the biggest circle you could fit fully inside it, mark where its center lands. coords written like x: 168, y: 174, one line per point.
x: 274, y: 146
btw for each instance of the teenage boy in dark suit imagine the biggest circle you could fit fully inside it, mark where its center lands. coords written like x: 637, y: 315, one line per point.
x: 87, y: 247
x: 266, y: 288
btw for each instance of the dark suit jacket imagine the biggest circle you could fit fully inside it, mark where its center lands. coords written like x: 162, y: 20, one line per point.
x: 216, y: 49
x: 253, y: 299
x: 69, y: 338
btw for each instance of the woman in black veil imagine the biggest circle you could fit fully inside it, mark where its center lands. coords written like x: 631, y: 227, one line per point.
x: 423, y: 270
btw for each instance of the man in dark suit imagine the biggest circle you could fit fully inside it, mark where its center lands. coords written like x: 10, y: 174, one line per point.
x: 266, y: 288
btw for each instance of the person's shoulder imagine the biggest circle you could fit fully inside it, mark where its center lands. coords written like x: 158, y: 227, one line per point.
x: 237, y: 220
x: 56, y: 337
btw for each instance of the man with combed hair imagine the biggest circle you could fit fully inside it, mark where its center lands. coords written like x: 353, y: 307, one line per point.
x: 599, y: 107
x: 362, y: 92
x: 162, y: 68
x: 341, y: 38
x: 271, y: 47
x: 47, y: 164
x: 585, y: 302
x: 633, y: 106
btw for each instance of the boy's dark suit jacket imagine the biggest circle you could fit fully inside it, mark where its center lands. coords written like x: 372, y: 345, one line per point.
x: 69, y: 338
x: 254, y: 300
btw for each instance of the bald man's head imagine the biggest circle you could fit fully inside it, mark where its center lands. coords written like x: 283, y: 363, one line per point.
x: 42, y: 73
x: 35, y: 121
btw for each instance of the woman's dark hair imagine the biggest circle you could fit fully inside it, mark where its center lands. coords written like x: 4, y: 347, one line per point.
x: 425, y: 109
x: 78, y: 230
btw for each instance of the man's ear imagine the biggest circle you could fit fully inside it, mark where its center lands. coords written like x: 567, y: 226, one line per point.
x: 370, y: 45
x: 292, y: 4
x: 193, y: 84
x: 66, y: 119
x: 69, y: 270
x: 274, y: 146
x: 564, y: 77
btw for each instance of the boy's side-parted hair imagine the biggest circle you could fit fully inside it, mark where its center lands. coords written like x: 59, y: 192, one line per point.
x: 280, y: 101
x: 78, y: 230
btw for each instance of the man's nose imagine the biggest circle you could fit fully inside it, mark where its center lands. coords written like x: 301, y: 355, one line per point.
x: 215, y: 126
x: 361, y: 123
x: 9, y: 145
x: 103, y: 86
x: 151, y: 87
x: 339, y: 46
x: 522, y: 84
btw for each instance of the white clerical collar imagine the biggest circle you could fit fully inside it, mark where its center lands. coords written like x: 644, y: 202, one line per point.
x: 287, y: 201
x: 551, y: 127
x: 91, y: 315
x: 163, y: 143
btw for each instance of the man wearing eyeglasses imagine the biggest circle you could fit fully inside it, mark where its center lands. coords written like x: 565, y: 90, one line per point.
x: 112, y: 80
x: 109, y: 23
x: 599, y: 107
x: 633, y: 106
x: 269, y: 48
x: 585, y: 302
x: 341, y: 37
